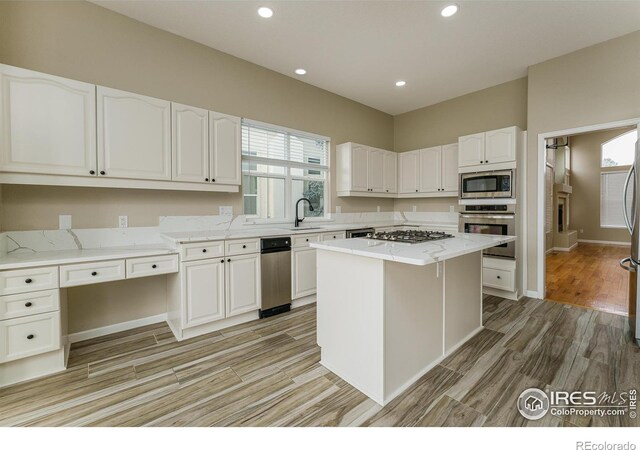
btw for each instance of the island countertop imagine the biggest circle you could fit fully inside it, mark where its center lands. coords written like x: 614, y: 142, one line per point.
x: 417, y: 254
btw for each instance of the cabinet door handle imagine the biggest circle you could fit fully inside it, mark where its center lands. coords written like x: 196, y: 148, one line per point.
x: 93, y: 274
x: 206, y: 179
x: 244, y: 246
x: 28, y: 304
x: 28, y: 280
x: 307, y: 240
x: 155, y: 266
x: 102, y: 172
x: 31, y: 336
x: 213, y: 179
x: 92, y: 172
x: 229, y: 260
x: 222, y: 261
x: 486, y: 161
x: 499, y: 277
x: 481, y: 161
x: 204, y: 250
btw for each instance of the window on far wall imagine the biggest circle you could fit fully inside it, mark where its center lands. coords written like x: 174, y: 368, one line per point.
x: 617, y: 153
x: 279, y: 166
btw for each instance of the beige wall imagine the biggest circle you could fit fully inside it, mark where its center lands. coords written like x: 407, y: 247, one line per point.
x: 495, y: 107
x: 597, y: 84
x: 585, y: 180
x: 83, y: 41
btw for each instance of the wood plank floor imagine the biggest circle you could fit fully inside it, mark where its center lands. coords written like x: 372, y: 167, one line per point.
x: 267, y: 373
x: 589, y: 276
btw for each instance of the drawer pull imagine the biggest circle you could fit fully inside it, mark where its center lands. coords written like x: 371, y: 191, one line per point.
x: 28, y: 280
x: 31, y: 336
x: 244, y: 246
x: 204, y: 250
x: 93, y: 274
x: 307, y: 240
x: 28, y: 305
x: 498, y: 277
x: 155, y: 266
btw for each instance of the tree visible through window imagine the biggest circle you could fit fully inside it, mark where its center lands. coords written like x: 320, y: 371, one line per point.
x: 620, y: 150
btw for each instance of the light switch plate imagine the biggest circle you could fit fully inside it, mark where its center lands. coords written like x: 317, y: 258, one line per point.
x: 123, y: 221
x: 64, y: 222
x: 225, y: 210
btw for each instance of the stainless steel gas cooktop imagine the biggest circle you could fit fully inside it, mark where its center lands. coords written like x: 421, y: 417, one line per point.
x: 410, y: 236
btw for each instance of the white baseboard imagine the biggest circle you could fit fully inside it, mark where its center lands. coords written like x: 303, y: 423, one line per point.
x: 297, y: 303
x: 562, y: 249
x: 589, y: 241
x: 533, y: 294
x: 115, y: 328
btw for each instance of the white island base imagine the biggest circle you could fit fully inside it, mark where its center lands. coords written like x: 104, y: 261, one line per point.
x: 383, y: 324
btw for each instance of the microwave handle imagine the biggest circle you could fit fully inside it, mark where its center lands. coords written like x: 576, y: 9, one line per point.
x: 485, y: 216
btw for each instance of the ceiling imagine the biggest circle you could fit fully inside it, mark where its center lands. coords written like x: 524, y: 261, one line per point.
x: 359, y: 49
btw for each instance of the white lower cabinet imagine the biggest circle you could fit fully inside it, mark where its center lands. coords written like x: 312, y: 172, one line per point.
x: 303, y: 267
x: 242, y: 281
x: 28, y: 336
x: 203, y: 291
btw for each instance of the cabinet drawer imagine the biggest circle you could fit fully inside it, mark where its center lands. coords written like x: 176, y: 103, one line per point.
x: 28, y: 280
x: 90, y: 273
x: 332, y: 236
x: 303, y: 240
x: 241, y: 247
x: 28, y: 336
x: 498, y: 278
x: 202, y: 250
x: 152, y: 265
x: 18, y: 305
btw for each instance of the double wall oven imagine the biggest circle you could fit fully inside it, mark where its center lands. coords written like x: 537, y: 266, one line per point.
x: 491, y: 219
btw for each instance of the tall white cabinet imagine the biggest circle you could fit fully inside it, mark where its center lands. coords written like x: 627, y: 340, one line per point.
x: 134, y: 135
x: 225, y: 148
x: 190, y: 143
x: 47, y: 124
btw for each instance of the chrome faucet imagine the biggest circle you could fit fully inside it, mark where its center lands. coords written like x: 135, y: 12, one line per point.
x: 297, y: 223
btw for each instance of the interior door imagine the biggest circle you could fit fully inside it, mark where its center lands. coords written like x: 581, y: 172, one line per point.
x: 189, y: 143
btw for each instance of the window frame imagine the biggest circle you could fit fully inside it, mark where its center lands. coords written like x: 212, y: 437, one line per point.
x: 287, y: 176
x: 614, y: 170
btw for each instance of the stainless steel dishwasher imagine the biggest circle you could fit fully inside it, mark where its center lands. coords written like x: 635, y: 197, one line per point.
x: 275, y: 262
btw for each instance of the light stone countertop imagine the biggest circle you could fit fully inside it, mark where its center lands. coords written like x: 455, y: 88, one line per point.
x: 416, y: 254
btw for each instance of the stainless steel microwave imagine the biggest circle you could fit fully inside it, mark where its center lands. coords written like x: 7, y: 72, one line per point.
x: 493, y: 184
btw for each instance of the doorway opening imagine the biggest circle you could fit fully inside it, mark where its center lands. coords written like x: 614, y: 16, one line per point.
x: 585, y: 233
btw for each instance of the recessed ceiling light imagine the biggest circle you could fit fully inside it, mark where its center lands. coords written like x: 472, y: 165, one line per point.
x: 400, y: 83
x: 301, y: 71
x: 265, y: 12
x: 449, y: 10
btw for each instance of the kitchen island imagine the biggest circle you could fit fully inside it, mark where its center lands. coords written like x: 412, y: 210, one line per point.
x: 389, y: 312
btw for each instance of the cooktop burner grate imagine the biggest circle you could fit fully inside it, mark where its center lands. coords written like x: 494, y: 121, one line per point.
x: 409, y: 236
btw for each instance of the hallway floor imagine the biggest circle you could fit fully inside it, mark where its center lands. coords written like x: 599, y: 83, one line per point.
x: 589, y: 276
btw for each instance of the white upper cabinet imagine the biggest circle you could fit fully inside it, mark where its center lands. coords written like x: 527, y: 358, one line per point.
x: 134, y: 135
x: 500, y: 145
x: 365, y: 170
x: 449, y: 159
x: 390, y: 172
x: 471, y: 150
x: 189, y: 143
x: 489, y: 148
x: 47, y: 124
x: 376, y: 170
x: 408, y: 172
x: 430, y: 169
x: 225, y: 148
x: 359, y: 168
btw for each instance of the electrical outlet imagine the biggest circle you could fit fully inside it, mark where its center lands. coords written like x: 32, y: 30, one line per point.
x: 64, y: 222
x: 123, y: 221
x: 338, y: 209
x: 378, y: 208
x: 414, y: 208
x: 225, y: 210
